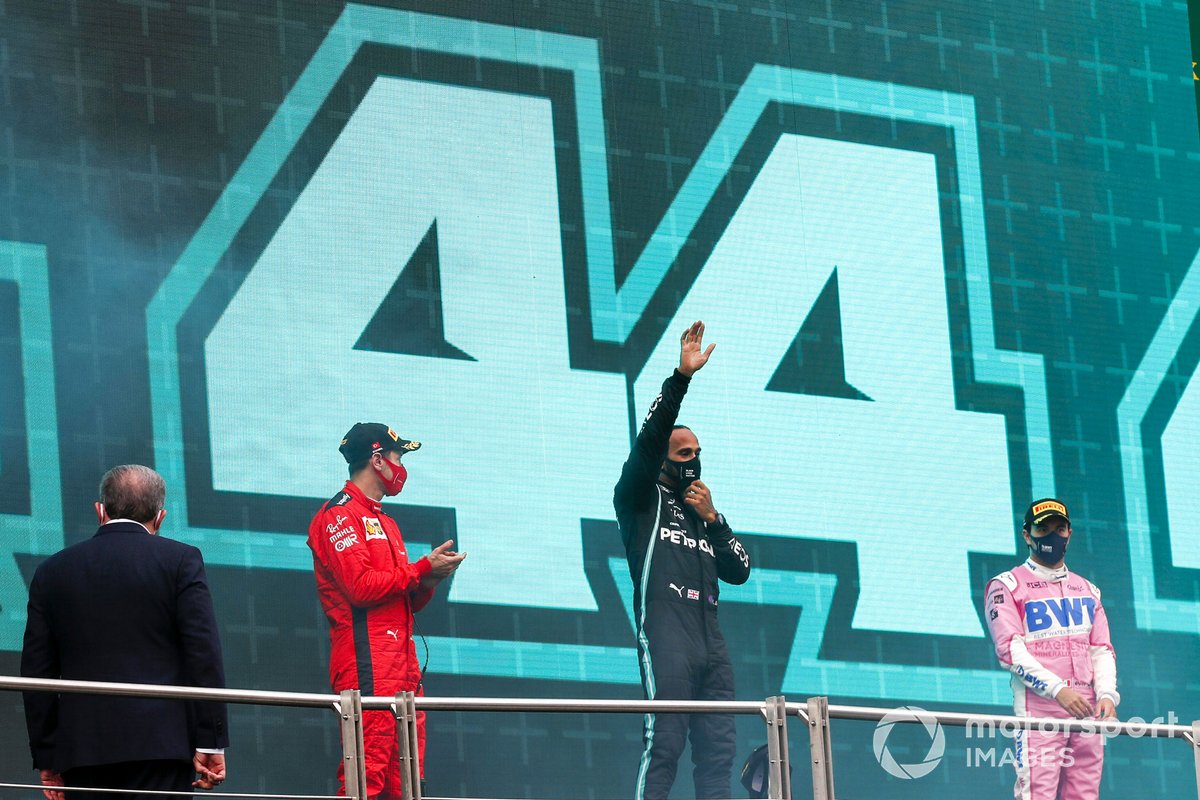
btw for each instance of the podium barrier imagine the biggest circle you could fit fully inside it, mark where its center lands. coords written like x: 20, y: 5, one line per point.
x: 816, y: 714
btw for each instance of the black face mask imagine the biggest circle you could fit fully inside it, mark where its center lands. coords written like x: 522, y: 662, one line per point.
x: 684, y: 472
x: 1049, y: 549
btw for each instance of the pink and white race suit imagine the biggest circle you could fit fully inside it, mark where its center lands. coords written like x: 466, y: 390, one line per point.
x: 1051, y: 632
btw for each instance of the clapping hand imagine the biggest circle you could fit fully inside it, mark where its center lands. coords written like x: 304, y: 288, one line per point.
x: 443, y: 561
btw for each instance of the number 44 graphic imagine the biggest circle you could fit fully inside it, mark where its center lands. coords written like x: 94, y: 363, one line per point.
x: 418, y: 152
x: 849, y: 470
x: 40, y: 532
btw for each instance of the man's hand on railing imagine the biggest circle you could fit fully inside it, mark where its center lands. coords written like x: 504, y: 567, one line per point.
x: 210, y: 767
x: 52, y: 778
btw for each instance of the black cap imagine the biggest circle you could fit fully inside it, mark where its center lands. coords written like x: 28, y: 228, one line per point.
x: 1041, y: 510
x: 366, y: 439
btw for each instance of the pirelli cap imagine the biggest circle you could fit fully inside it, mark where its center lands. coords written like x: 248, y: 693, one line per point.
x: 366, y: 439
x: 1042, y: 510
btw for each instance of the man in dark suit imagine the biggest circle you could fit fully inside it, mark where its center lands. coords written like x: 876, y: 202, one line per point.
x: 129, y: 606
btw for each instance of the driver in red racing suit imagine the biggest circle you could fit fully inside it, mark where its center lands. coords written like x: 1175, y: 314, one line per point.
x: 369, y: 590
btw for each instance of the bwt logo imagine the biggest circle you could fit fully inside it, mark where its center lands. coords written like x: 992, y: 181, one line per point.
x: 1036, y: 683
x: 1066, y: 612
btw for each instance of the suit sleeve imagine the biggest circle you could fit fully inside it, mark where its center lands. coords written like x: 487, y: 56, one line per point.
x: 1004, y: 618
x: 1104, y: 658
x: 640, y: 472
x: 40, y: 659
x: 201, y: 645
x: 362, y: 567
x: 733, y: 562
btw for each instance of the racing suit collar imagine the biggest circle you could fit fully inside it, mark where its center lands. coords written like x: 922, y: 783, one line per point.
x: 352, y: 489
x: 1045, y: 573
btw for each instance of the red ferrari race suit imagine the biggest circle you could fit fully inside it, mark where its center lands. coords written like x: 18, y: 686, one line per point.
x: 369, y: 590
x: 1050, y: 632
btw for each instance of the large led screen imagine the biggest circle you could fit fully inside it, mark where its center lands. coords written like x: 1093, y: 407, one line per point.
x: 947, y: 252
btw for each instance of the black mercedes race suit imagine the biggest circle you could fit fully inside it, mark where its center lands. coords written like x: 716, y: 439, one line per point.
x: 675, y: 559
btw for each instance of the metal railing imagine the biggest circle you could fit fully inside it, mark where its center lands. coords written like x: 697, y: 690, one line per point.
x: 816, y: 714
x: 350, y: 704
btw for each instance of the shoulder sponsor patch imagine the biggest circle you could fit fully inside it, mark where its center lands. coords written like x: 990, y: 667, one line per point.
x: 342, y: 534
x: 1008, y: 579
x: 374, y: 528
x: 341, y: 523
x: 342, y: 541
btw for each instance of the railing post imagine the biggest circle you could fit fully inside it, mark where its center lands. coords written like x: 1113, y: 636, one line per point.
x: 405, y: 709
x: 819, y: 748
x: 1196, y: 752
x: 779, y: 778
x: 354, y: 765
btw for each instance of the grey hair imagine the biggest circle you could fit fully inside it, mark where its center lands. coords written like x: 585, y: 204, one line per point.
x: 132, y: 491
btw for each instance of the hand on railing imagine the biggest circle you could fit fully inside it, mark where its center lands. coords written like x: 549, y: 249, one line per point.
x: 52, y: 778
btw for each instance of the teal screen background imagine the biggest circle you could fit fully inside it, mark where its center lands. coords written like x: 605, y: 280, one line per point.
x: 948, y: 252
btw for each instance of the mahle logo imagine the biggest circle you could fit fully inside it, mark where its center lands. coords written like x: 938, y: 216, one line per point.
x: 917, y: 769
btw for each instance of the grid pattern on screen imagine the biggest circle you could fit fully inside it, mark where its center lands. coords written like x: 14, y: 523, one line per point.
x: 123, y: 121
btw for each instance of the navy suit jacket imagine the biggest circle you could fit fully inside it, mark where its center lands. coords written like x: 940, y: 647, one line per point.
x: 122, y: 606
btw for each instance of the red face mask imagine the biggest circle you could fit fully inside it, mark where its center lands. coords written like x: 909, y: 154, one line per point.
x: 399, y: 476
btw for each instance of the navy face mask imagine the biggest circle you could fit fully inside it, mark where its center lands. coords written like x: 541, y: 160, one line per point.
x: 1049, y: 549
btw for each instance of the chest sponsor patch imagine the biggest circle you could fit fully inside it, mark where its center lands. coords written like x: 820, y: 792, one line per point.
x: 1060, y: 614
x: 676, y: 536
x: 374, y: 528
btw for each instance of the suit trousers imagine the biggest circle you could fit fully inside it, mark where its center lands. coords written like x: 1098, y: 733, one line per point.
x: 169, y: 775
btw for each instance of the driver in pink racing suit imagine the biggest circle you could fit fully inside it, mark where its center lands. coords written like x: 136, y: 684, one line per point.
x: 1051, y: 633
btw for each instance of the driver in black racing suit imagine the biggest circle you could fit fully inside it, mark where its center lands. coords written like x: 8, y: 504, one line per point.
x: 678, y: 546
